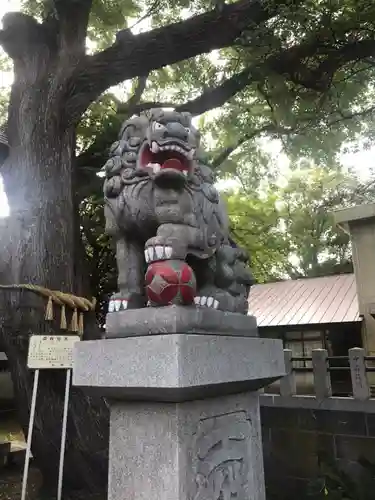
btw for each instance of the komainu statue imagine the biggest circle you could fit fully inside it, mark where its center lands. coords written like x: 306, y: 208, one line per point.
x: 168, y: 222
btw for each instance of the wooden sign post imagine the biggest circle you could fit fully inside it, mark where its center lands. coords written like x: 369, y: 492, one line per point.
x: 49, y: 352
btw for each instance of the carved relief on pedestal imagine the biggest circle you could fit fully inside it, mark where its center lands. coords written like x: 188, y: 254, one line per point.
x: 221, y: 457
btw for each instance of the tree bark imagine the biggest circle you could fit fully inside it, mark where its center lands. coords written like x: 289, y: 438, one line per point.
x: 41, y: 245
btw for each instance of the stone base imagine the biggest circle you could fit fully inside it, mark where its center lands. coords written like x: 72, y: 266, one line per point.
x: 200, y: 450
x: 178, y: 319
x: 176, y: 367
x: 184, y: 424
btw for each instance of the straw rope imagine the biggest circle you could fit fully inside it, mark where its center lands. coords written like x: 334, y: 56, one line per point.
x: 78, y: 305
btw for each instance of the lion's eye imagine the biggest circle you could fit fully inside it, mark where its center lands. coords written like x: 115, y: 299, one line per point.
x: 158, y: 126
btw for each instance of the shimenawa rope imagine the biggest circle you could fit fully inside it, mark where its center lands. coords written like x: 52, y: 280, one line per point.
x: 78, y: 305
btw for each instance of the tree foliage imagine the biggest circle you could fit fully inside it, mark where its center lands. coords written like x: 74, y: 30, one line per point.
x: 304, y: 77
x: 289, y: 229
x: 256, y: 225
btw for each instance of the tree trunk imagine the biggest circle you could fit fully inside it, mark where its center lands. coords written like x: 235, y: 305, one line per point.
x: 40, y: 243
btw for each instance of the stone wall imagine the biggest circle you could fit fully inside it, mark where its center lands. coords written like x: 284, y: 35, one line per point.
x: 294, y: 438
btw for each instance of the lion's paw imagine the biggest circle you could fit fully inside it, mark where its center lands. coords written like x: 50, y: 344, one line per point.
x: 158, y: 252
x: 117, y: 304
x: 159, y: 248
x: 124, y: 301
x: 204, y: 301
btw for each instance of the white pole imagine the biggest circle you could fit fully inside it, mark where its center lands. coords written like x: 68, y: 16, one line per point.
x: 63, y: 434
x: 30, y: 435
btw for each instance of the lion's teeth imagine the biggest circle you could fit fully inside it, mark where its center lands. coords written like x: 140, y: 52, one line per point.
x: 171, y: 147
x: 185, y: 172
x: 191, y: 154
x: 155, y: 147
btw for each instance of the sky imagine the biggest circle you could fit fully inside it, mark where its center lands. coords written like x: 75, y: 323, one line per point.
x: 360, y: 161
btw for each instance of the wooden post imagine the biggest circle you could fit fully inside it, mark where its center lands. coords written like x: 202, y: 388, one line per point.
x: 361, y: 388
x: 322, y: 379
x: 288, y: 383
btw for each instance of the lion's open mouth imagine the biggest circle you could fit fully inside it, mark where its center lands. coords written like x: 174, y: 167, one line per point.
x: 169, y: 156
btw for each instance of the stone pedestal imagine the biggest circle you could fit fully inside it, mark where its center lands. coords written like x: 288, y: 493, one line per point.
x: 184, y: 421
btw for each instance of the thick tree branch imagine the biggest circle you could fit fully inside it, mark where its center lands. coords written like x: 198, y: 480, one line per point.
x: 288, y: 63
x: 136, y: 97
x: 73, y: 18
x: 22, y: 36
x: 216, y: 97
x: 289, y: 60
x: 334, y: 57
x: 357, y: 50
x: 132, y: 56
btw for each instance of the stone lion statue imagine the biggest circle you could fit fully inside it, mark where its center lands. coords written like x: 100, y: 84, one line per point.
x: 161, y: 206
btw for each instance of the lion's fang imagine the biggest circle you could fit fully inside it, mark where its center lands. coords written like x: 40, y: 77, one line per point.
x: 155, y: 147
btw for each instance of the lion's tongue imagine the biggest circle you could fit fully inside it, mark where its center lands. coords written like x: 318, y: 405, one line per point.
x: 174, y: 163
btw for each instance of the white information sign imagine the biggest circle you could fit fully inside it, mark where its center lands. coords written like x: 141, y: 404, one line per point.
x: 48, y: 352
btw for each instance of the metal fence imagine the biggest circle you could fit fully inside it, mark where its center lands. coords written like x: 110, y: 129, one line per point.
x: 322, y: 366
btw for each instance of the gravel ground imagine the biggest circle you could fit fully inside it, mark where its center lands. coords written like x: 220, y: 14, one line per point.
x: 11, y: 484
x: 11, y: 477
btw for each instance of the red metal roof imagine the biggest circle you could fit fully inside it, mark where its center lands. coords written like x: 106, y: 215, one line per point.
x: 330, y: 299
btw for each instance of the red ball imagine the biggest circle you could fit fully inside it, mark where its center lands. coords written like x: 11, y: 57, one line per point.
x: 170, y: 282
